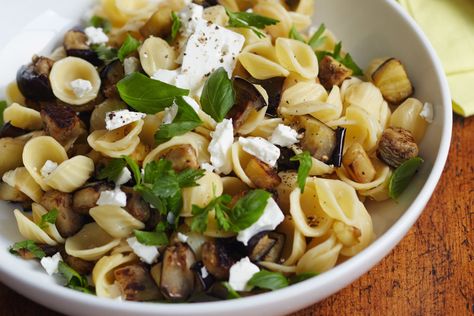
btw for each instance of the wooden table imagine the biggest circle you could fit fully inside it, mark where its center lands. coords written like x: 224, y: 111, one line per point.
x: 431, y: 272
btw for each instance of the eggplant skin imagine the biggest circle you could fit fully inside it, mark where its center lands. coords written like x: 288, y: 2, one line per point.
x: 8, y: 130
x: 332, y: 73
x: 136, y: 283
x: 216, y: 259
x: 33, y: 79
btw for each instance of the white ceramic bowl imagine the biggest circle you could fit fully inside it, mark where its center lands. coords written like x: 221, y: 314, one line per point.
x: 368, y: 29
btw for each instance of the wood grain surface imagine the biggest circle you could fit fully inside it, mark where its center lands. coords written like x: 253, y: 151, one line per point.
x: 431, y: 272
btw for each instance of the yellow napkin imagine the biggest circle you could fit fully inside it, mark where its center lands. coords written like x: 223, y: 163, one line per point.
x: 449, y: 24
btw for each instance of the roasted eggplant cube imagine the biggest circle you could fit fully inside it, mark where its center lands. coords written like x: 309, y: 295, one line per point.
x: 262, y: 175
x: 217, y: 259
x: 83, y: 267
x: 393, y: 81
x: 274, y: 88
x: 33, y: 79
x: 75, y: 44
x: 332, y: 73
x: 159, y: 24
x: 68, y: 222
x: 136, y: 206
x: 136, y: 284
x: 266, y: 246
x: 110, y: 76
x: 62, y: 123
x: 396, y: 146
x: 358, y: 165
x: 86, y: 198
x: 203, y: 276
x: 182, y: 157
x: 319, y: 139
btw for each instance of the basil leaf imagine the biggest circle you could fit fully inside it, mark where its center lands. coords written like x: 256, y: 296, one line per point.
x: 48, y: 218
x: 218, y: 95
x: 248, y: 209
x: 133, y: 165
x: 147, y: 95
x: 73, y: 279
x: 268, y: 280
x: 317, y: 39
x: 294, y: 34
x: 250, y: 20
x: 129, y: 46
x: 3, y: 106
x: 302, y: 277
x: 402, y: 176
x: 98, y: 21
x: 27, y: 245
x: 347, y: 60
x: 306, y: 162
x: 185, y: 121
x: 231, y: 293
x: 106, y: 54
x: 151, y: 238
x: 112, y: 170
x: 175, y: 26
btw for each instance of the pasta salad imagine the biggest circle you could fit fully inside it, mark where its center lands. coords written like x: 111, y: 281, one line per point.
x: 191, y: 151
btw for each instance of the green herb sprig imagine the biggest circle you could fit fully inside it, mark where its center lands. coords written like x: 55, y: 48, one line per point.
x: 306, y: 162
x: 402, y: 177
x: 251, y: 21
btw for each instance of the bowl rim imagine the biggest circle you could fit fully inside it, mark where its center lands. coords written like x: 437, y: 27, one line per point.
x: 347, y: 271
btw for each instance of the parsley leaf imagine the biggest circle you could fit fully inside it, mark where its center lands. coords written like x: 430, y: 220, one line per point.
x: 74, y: 280
x: 306, y: 163
x: 175, y: 26
x: 106, y: 54
x: 402, y: 176
x: 98, y: 21
x: 3, y: 106
x: 48, y: 218
x: 147, y: 95
x: 133, y: 165
x: 27, y: 245
x: 219, y: 204
x: 218, y: 95
x: 185, y: 121
x: 317, y: 39
x: 248, y: 209
x: 129, y: 46
x: 346, y: 60
x: 294, y: 34
x: 187, y: 178
x: 112, y: 170
x: 268, y: 280
x: 156, y: 238
x: 250, y: 20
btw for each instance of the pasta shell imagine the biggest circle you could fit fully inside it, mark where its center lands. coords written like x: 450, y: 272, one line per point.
x: 155, y: 54
x: 30, y: 231
x: 23, y: 117
x: 21, y: 180
x: 71, y: 174
x: 407, y: 116
x: 297, y: 56
x: 103, y: 276
x: 13, y: 94
x: 97, y: 120
x: 275, y: 10
x: 254, y: 120
x: 295, y: 242
x: 301, y: 20
x: 50, y: 229
x: 209, y: 186
x: 12, y: 150
x: 116, y: 221
x: 233, y: 186
x: 366, y: 96
x: 320, y: 258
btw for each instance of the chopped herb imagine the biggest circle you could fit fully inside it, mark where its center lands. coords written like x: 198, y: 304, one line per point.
x: 218, y: 95
x: 74, y: 280
x: 301, y: 277
x: 346, y: 60
x: 268, y: 280
x: 129, y: 46
x: 27, y: 245
x: 317, y: 39
x: 199, y: 223
x: 156, y: 238
x: 306, y: 162
x: 98, y: 21
x: 251, y: 21
x: 175, y: 26
x: 146, y: 95
x: 48, y: 218
x: 106, y: 54
x: 402, y: 176
x: 294, y: 34
x: 112, y: 170
x: 3, y: 106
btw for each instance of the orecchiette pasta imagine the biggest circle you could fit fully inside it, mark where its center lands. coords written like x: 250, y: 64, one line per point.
x: 13, y: 94
x: 12, y: 149
x: 71, y: 174
x: 253, y: 122
x: 11, y: 194
x: 103, y: 276
x: 275, y: 10
x: 22, y: 180
x: 297, y: 57
x: 116, y: 221
x: 260, y: 60
x: 50, y: 229
x: 382, y: 173
x: 97, y: 121
x: 407, y: 116
x: 155, y: 54
x: 321, y: 257
x: 30, y: 231
x: 22, y: 117
x: 210, y: 186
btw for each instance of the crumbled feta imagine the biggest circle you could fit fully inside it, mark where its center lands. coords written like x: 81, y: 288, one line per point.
x: 95, y: 35
x: 220, y: 146
x: 204, y: 272
x: 191, y: 16
x: 48, y: 168
x: 427, y: 112
x: 81, y: 87
x: 113, y: 197
x: 240, y: 273
x: 182, y: 237
x: 261, y: 148
x: 284, y: 136
x: 208, y: 167
x: 117, y: 119
x: 130, y: 65
x: 124, y: 176
x: 272, y: 217
x: 192, y: 103
x: 146, y: 253
x: 50, y: 264
x: 166, y: 76
x: 170, y: 114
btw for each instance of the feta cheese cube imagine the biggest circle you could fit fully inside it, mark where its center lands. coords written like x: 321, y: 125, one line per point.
x: 81, y: 87
x: 113, y: 197
x: 117, y: 119
x: 50, y: 264
x: 48, y: 168
x: 147, y: 254
x: 170, y: 114
x: 96, y: 35
x: 220, y: 146
x: 272, y: 217
x: 124, y: 176
x: 130, y: 65
x: 182, y: 237
x: 261, y: 148
x: 191, y: 16
x: 427, y: 112
x: 204, y: 272
x: 240, y: 273
x: 208, y: 167
x: 284, y: 136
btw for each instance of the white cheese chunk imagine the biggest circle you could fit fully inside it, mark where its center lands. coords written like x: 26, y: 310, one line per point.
x: 220, y: 146
x: 50, y: 264
x: 284, y: 136
x: 192, y: 103
x: 170, y: 114
x: 95, y: 35
x: 261, y: 148
x: 81, y: 87
x: 204, y: 272
x: 240, y: 273
x: 182, y: 237
x: 113, y: 197
x: 166, y: 76
x: 147, y: 254
x: 191, y: 16
x: 117, y: 119
x: 131, y: 65
x: 48, y: 168
x: 124, y: 176
x: 208, y: 167
x: 427, y: 112
x: 272, y: 217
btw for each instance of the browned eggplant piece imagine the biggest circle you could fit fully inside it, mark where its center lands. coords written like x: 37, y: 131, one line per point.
x: 358, y: 165
x: 182, y: 157
x: 136, y: 284
x: 393, y: 81
x: 110, y: 76
x: 396, y: 146
x: 248, y: 99
x: 177, y: 278
x: 85, y: 199
x: 319, y: 139
x: 274, y: 88
x: 68, y: 222
x: 203, y: 276
x: 336, y: 159
x: 266, y: 246
x: 217, y: 259
x: 284, y: 163
x: 159, y: 24
x: 8, y: 130
x: 261, y: 174
x: 62, y: 123
x: 81, y: 266
x: 28, y: 255
x: 75, y: 44
x: 206, y: 3
x: 33, y: 79
x: 332, y: 73
x: 136, y: 206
